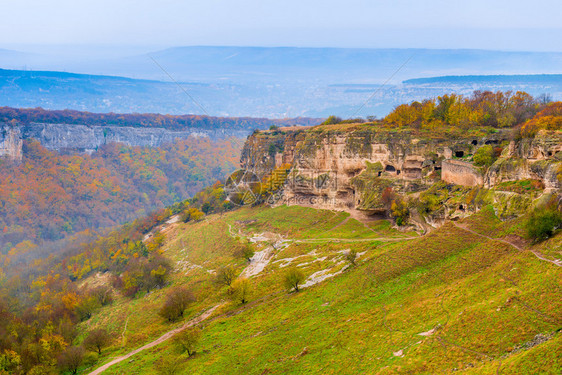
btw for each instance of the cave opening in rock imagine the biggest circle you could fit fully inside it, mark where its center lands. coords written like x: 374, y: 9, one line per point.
x: 475, y: 142
x: 459, y: 154
x: 461, y: 207
x: 390, y: 168
x: 398, y: 171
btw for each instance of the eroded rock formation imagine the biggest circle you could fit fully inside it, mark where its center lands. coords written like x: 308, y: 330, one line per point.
x: 352, y: 169
x: 460, y: 173
x: 10, y: 143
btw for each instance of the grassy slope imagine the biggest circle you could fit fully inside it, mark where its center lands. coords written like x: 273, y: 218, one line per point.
x: 484, y: 298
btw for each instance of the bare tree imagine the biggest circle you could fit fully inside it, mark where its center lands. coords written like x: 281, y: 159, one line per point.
x: 97, y: 340
x: 71, y: 359
x: 177, y: 300
x: 226, y: 275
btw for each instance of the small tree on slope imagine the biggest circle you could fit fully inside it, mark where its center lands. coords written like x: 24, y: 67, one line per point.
x: 293, y: 278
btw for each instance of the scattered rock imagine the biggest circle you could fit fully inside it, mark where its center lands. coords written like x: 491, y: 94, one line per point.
x: 430, y: 332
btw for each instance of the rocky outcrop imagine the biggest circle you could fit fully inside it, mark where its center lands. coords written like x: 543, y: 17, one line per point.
x: 538, y: 158
x: 82, y: 138
x: 353, y: 169
x: 460, y: 173
x: 10, y: 143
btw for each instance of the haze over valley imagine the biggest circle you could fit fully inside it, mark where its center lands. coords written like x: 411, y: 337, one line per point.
x: 265, y: 82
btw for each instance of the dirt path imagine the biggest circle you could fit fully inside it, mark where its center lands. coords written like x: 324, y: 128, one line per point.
x: 159, y: 340
x: 339, y: 224
x: 334, y: 239
x: 536, y: 253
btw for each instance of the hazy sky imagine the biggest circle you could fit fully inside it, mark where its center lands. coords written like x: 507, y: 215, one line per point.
x: 488, y: 24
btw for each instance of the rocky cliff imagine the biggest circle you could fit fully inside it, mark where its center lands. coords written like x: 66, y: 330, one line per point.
x: 10, y: 143
x: 82, y: 138
x: 537, y: 158
x: 357, y: 167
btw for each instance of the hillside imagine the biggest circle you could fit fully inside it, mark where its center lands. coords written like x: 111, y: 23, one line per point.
x: 49, y: 195
x: 450, y: 300
x: 426, y: 242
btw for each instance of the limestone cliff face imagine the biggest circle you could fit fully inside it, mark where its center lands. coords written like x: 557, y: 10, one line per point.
x: 10, y: 143
x: 352, y: 169
x: 68, y: 137
x: 539, y: 158
x: 460, y: 173
x: 333, y: 167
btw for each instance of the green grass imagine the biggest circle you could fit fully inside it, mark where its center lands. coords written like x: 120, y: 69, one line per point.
x: 521, y: 186
x: 486, y: 299
x: 306, y: 223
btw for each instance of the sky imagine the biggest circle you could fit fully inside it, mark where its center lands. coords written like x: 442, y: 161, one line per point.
x: 483, y: 24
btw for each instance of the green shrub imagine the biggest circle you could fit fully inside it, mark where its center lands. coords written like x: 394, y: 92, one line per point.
x: 351, y: 257
x: 332, y: 120
x: 399, y: 211
x: 485, y: 156
x: 542, y: 224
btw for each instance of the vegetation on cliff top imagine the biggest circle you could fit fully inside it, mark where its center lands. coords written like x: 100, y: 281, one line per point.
x: 16, y: 116
x: 457, y: 115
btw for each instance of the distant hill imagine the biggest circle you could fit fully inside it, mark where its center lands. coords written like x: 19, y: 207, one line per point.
x: 536, y: 79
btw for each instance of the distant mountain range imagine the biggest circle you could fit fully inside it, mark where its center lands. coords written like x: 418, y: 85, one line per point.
x: 266, y: 82
x: 522, y: 79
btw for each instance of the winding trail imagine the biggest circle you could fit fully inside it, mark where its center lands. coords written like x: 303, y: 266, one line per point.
x: 557, y: 262
x: 159, y: 340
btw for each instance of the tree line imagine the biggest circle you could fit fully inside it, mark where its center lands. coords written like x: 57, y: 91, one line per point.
x: 173, y: 122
